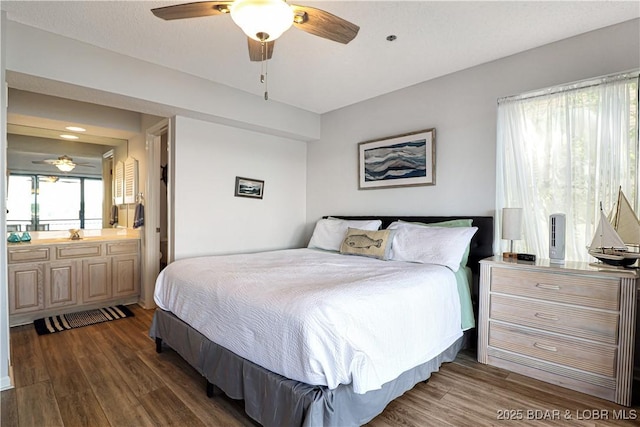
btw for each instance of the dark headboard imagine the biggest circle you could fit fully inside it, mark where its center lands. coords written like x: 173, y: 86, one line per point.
x: 481, y: 243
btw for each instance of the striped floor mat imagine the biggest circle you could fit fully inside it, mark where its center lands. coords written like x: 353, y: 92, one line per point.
x: 50, y: 325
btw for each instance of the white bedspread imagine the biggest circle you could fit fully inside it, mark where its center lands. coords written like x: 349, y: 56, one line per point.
x: 317, y: 317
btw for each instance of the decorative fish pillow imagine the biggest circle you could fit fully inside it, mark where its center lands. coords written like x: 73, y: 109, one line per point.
x: 375, y: 244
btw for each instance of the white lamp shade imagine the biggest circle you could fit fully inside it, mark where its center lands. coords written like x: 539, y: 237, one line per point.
x: 262, y: 20
x: 512, y: 223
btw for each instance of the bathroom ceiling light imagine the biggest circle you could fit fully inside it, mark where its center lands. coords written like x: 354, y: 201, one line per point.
x: 75, y: 129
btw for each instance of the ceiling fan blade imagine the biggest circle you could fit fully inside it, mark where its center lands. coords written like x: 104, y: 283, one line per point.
x: 192, y: 10
x: 255, y: 49
x: 45, y: 162
x: 323, y: 24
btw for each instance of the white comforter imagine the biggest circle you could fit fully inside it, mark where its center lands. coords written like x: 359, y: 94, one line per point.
x: 317, y: 317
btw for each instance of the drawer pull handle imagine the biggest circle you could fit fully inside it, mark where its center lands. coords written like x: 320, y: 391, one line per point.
x: 545, y: 347
x: 547, y: 316
x: 548, y: 287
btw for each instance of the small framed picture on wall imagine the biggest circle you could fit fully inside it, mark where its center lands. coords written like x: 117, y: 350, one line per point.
x: 248, y: 187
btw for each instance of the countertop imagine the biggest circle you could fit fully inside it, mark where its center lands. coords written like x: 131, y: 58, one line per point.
x: 87, y: 236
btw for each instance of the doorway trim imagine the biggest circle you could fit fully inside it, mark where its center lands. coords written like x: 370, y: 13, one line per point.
x: 151, y: 259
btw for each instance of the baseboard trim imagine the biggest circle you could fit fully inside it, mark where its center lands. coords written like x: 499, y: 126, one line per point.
x: 6, y: 383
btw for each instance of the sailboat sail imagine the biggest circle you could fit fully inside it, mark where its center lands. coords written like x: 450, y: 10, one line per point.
x: 625, y: 222
x: 606, y: 237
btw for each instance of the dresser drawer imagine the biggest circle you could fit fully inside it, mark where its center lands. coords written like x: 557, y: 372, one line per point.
x: 576, y: 321
x: 28, y: 255
x: 587, y: 356
x: 78, y: 250
x: 584, y: 290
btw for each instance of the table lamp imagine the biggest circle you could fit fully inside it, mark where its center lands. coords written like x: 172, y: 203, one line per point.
x: 511, y: 228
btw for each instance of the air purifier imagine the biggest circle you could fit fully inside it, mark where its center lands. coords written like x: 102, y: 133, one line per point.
x: 557, y: 227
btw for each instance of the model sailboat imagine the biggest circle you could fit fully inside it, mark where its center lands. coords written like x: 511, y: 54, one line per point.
x: 616, y: 241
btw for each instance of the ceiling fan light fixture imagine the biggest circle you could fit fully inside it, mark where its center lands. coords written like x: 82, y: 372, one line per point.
x: 262, y: 20
x: 66, y: 165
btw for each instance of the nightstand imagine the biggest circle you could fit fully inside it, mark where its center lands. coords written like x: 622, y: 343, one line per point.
x: 568, y: 324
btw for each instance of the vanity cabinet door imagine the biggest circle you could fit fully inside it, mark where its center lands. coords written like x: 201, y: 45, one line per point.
x: 126, y: 275
x: 61, y: 281
x: 96, y: 279
x: 26, y: 283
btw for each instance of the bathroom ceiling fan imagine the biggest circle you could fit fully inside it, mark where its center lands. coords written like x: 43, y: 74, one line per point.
x: 263, y: 21
x: 63, y: 163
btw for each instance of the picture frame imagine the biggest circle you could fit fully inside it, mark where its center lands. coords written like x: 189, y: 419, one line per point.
x: 249, y: 187
x: 398, y: 161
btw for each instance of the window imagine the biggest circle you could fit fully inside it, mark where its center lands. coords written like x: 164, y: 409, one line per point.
x: 37, y: 202
x: 566, y: 150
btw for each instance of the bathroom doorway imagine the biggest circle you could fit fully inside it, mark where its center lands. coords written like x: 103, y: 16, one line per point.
x: 158, y: 212
x: 164, y: 182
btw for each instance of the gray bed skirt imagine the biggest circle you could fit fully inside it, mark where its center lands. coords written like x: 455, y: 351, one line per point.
x: 273, y: 400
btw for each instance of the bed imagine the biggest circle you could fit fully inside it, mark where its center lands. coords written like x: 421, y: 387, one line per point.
x: 328, y: 352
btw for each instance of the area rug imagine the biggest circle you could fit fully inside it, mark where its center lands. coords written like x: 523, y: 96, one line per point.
x: 53, y: 324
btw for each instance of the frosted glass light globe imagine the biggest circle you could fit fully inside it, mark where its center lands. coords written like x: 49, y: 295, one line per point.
x: 262, y: 20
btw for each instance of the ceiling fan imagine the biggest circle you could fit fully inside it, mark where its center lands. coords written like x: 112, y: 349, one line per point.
x: 263, y: 21
x: 53, y: 179
x: 63, y: 163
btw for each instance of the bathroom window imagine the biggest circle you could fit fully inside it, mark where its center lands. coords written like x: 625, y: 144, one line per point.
x: 38, y: 202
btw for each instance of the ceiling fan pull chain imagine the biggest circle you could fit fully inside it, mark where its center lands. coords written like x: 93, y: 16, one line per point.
x: 262, y: 62
x: 266, y: 85
x: 264, y: 75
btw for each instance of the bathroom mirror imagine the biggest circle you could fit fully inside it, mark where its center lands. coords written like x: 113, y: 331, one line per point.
x: 58, y: 183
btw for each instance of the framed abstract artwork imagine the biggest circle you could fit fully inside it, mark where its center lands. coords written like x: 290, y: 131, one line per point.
x: 398, y: 161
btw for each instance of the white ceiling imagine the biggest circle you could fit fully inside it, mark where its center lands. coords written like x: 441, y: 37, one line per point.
x: 434, y: 38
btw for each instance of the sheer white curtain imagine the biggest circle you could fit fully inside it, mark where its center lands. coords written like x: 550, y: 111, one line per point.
x: 565, y: 150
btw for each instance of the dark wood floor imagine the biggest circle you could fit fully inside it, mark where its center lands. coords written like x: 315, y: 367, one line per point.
x: 110, y: 375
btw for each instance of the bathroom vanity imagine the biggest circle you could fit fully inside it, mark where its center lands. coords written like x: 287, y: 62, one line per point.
x: 57, y: 275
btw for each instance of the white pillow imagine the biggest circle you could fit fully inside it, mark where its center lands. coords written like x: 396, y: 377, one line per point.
x: 329, y: 233
x: 431, y: 245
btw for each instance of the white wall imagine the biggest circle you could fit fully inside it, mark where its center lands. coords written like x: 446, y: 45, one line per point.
x: 462, y: 109
x: 208, y: 218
